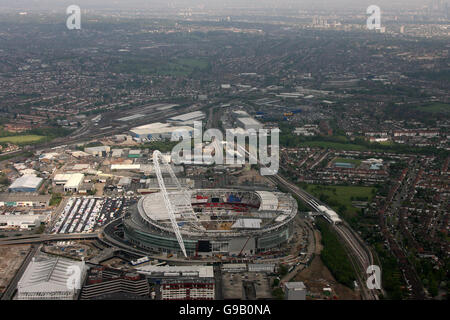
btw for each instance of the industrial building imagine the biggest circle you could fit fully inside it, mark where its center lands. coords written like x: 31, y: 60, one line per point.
x: 71, y: 181
x: 100, y: 151
x: 47, y: 278
x: 134, y: 154
x: 188, y: 118
x: 160, y: 131
x: 26, y: 183
x: 295, y: 291
x: 24, y: 199
x: 116, y: 153
x: 249, y: 123
x: 102, y: 281
x: 183, y: 282
x: 21, y: 221
x: 261, y: 267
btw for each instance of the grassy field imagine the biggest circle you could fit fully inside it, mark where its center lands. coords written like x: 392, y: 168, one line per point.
x: 176, y: 67
x: 23, y: 139
x: 340, y: 197
x: 182, y: 67
x: 435, y: 108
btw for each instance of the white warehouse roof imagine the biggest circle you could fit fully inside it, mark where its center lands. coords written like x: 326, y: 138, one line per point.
x: 74, y: 181
x: 46, y: 275
x: 159, y: 128
x: 196, y: 115
x: 125, y: 166
x: 26, y: 181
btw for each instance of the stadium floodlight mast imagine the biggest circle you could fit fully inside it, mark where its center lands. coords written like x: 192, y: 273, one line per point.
x: 170, y: 209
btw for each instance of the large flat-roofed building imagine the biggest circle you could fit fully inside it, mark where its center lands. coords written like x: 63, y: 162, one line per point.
x: 21, y: 221
x: 24, y: 199
x: 261, y: 267
x: 70, y: 181
x: 160, y: 131
x: 183, y: 282
x: 27, y: 183
x: 295, y: 291
x: 102, y: 281
x: 187, y: 118
x: 249, y: 123
x: 74, y: 182
x: 61, y: 179
x: 99, y: 151
x: 240, y: 114
x: 47, y: 278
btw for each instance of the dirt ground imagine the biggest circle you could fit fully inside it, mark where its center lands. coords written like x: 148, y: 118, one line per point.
x: 317, y: 277
x: 11, y: 257
x: 252, y: 176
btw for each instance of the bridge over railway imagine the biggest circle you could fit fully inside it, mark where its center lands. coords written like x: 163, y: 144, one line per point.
x: 47, y: 237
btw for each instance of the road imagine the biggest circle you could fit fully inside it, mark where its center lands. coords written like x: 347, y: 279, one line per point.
x: 46, y: 237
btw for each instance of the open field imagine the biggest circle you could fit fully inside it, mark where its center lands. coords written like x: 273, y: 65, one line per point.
x: 435, y: 108
x: 176, y: 67
x: 11, y: 257
x: 23, y: 139
x: 182, y: 66
x: 339, y: 197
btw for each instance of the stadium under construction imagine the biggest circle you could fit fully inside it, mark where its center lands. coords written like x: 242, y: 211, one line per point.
x: 214, y: 221
x: 205, y: 222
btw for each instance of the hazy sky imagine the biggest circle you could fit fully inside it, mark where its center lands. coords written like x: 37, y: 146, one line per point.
x: 210, y: 4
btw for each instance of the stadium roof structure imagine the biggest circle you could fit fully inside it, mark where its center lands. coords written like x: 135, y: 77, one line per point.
x: 269, y: 201
x: 26, y: 182
x: 247, y: 224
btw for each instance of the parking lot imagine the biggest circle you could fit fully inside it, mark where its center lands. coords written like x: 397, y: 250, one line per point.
x: 86, y: 214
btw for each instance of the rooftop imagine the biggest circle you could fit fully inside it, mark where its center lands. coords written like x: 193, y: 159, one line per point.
x: 48, y: 274
x: 26, y: 181
x: 196, y: 115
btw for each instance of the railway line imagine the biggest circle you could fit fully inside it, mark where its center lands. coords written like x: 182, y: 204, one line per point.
x: 360, y: 253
